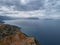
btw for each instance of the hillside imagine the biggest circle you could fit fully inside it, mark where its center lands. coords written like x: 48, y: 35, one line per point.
x: 11, y: 35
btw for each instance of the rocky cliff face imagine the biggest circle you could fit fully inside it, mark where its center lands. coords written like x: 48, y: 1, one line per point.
x: 11, y: 35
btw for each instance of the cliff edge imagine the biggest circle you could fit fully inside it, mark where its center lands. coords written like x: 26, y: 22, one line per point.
x: 11, y: 35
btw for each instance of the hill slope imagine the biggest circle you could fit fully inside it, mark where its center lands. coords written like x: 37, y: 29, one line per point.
x: 11, y: 35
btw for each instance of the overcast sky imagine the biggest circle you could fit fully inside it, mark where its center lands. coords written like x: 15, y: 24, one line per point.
x: 30, y: 8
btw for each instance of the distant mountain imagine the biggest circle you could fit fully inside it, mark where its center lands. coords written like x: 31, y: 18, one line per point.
x: 1, y: 21
x: 5, y: 18
x: 36, y: 18
x: 2, y: 18
x: 32, y: 18
x: 48, y: 19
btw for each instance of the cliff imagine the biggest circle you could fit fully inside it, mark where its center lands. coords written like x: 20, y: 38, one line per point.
x: 11, y: 35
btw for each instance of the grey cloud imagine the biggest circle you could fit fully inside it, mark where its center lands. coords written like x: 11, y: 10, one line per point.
x: 50, y: 6
x: 38, y: 4
x: 53, y: 6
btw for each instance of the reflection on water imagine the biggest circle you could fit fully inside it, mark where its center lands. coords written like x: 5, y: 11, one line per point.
x: 47, y: 32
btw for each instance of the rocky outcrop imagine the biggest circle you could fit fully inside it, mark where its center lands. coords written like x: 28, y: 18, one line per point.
x: 11, y: 35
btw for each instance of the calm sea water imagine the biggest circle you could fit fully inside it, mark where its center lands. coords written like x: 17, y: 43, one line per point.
x: 47, y: 32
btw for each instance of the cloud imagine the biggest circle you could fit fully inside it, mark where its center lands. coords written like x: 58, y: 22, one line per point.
x: 53, y: 6
x: 34, y: 8
x: 14, y: 8
x: 24, y: 2
x: 31, y: 5
x: 9, y: 11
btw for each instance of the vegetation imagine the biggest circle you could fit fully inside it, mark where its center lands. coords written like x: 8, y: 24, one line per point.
x: 18, y: 39
x: 6, y: 30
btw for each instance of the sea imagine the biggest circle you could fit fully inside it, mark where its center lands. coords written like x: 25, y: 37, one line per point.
x: 47, y: 32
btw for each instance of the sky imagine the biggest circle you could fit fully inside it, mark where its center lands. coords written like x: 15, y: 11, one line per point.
x: 30, y: 8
